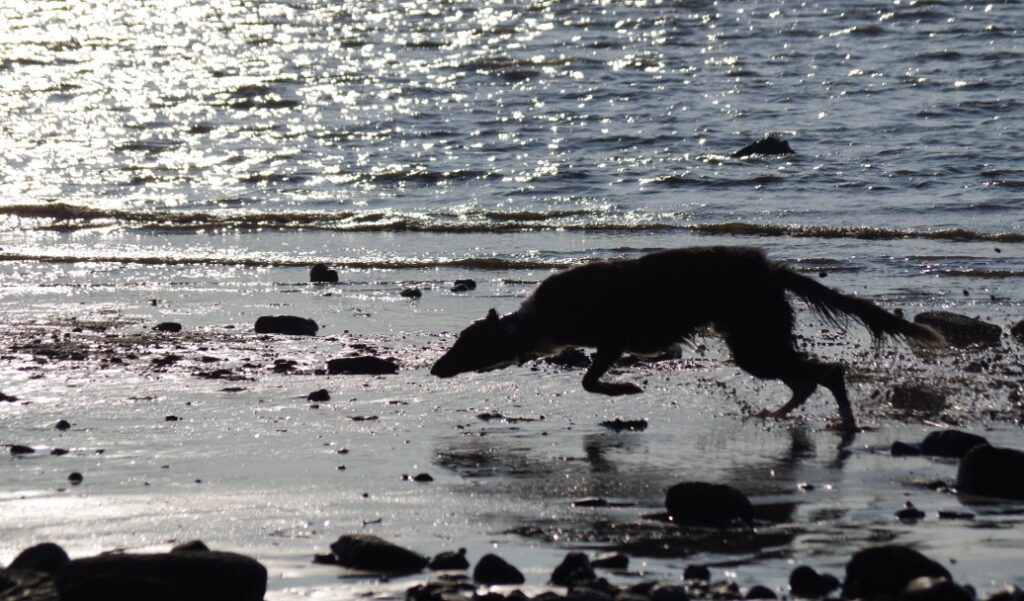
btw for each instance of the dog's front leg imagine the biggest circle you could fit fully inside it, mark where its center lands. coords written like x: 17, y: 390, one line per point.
x: 603, y: 360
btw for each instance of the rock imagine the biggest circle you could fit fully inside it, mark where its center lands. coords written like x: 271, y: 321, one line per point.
x: 411, y: 293
x: 167, y: 326
x: 704, y: 504
x: 569, y: 357
x: 991, y: 472
x: 17, y: 585
x: 807, y: 582
x: 633, y: 425
x: 75, y: 478
x: 171, y: 418
x: 6, y: 398
x: 574, y: 569
x: 935, y: 589
x: 960, y: 330
x: 770, y: 144
x: 1017, y: 331
x: 904, y: 449
x: 367, y: 365
x: 610, y: 561
x: 950, y: 443
x: 192, y: 545
x: 886, y: 570
x: 48, y: 558
x: 913, y: 397
x: 668, y: 592
x: 492, y: 569
x: 724, y: 589
x: 759, y: 591
x: 63, y: 425
x: 449, y: 560
x: 374, y: 554
x: 910, y: 512
x: 20, y: 449
x: 424, y: 477
x: 697, y: 572
x: 193, y: 575
x: 58, y: 452
x: 319, y: 396
x: 464, y: 285
x: 286, y: 324
x: 321, y: 274
x: 1007, y: 593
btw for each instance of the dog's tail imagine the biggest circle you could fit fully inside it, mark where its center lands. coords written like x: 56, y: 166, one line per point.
x: 835, y: 306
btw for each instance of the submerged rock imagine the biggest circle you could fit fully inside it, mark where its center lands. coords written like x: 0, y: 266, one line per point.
x: 411, y: 293
x: 991, y: 472
x: 321, y: 273
x: 961, y: 330
x: 770, y: 144
x: 807, y: 582
x: 887, y: 570
x: 367, y: 366
x: 374, y: 554
x: 286, y: 324
x: 950, y: 443
x: 449, y: 560
x: 574, y: 569
x: 464, y: 285
x: 492, y: 569
x: 705, y: 504
x: 197, y: 576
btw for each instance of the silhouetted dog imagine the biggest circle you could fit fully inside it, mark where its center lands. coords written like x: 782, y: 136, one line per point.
x: 648, y: 304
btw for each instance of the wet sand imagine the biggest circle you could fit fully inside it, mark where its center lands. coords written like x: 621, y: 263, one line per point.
x: 250, y: 465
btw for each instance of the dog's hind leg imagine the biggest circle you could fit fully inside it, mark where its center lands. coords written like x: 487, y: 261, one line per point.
x: 802, y: 390
x: 604, y: 358
x: 833, y: 377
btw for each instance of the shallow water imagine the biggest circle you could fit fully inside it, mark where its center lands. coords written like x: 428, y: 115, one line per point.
x: 189, y: 161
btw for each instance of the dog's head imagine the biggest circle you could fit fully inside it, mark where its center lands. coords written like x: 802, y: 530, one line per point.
x: 486, y: 344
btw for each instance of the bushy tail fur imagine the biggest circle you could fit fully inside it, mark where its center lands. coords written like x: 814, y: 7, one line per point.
x: 835, y: 306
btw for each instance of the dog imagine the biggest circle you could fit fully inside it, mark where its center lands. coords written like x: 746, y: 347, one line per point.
x: 657, y: 301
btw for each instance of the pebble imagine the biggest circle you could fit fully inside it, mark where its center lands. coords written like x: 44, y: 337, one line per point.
x: 374, y: 554
x: 449, y: 560
x: 319, y: 396
x: 705, y: 504
x: 411, y: 293
x: 805, y: 581
x: 63, y: 425
x: 321, y: 273
x: 574, y: 569
x: 167, y: 326
x: 286, y: 324
x: 75, y: 478
x: 366, y: 365
x: 991, y: 472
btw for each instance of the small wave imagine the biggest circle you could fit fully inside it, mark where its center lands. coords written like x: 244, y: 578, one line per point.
x: 859, y: 233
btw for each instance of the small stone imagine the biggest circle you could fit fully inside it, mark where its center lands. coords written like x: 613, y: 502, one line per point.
x: 668, y: 592
x: 724, y: 589
x: 991, y: 472
x: 424, y: 477
x: 411, y: 293
x: 632, y: 425
x: 910, y: 513
x: 492, y: 569
x: 59, y: 452
x: 367, y: 365
x: 574, y: 569
x: 697, y: 572
x: 167, y: 326
x: 935, y: 589
x: 75, y: 478
x: 805, y: 581
x: 610, y: 561
x: 20, y: 449
x: 6, y: 398
x: 770, y: 144
x: 961, y: 330
x: 63, y: 425
x: 886, y: 570
x: 590, y: 502
x: 286, y: 324
x: 759, y: 591
x: 374, y: 554
x: 950, y: 443
x: 171, y: 418
x: 322, y: 274
x: 705, y: 504
x: 1017, y: 331
x: 319, y: 396
x: 465, y: 285
x: 1007, y: 593
x: 449, y: 560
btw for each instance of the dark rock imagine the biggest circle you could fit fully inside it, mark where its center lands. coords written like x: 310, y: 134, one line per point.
x: 367, y: 365
x: 991, y: 472
x: 770, y: 144
x: 724, y: 589
x: 610, y: 561
x: 492, y: 569
x: 320, y: 274
x: 886, y: 570
x: 807, y: 582
x: 319, y: 396
x: 168, y: 326
x: 590, y: 593
x: 950, y: 443
x: 590, y: 502
x: 20, y: 449
x: 569, y: 357
x: 75, y: 478
x: 464, y: 285
x: 286, y: 324
x: 960, y: 330
x: 449, y: 560
x: 18, y: 585
x: 6, y: 398
x: 411, y: 293
x: 913, y: 397
x: 63, y: 425
x: 668, y: 592
x: 935, y: 589
x: 59, y: 452
x: 697, y: 572
x: 197, y: 576
x: 192, y: 545
x: 910, y: 513
x: 48, y: 558
x: 633, y: 425
x: 424, y: 477
x: 574, y: 569
x: 171, y: 418
x: 759, y: 591
x: 374, y: 554
x: 1017, y: 331
x: 955, y: 515
x: 1007, y: 593
x: 904, y: 449
x: 704, y: 504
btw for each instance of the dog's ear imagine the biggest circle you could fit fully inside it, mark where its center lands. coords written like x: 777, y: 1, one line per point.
x: 492, y: 317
